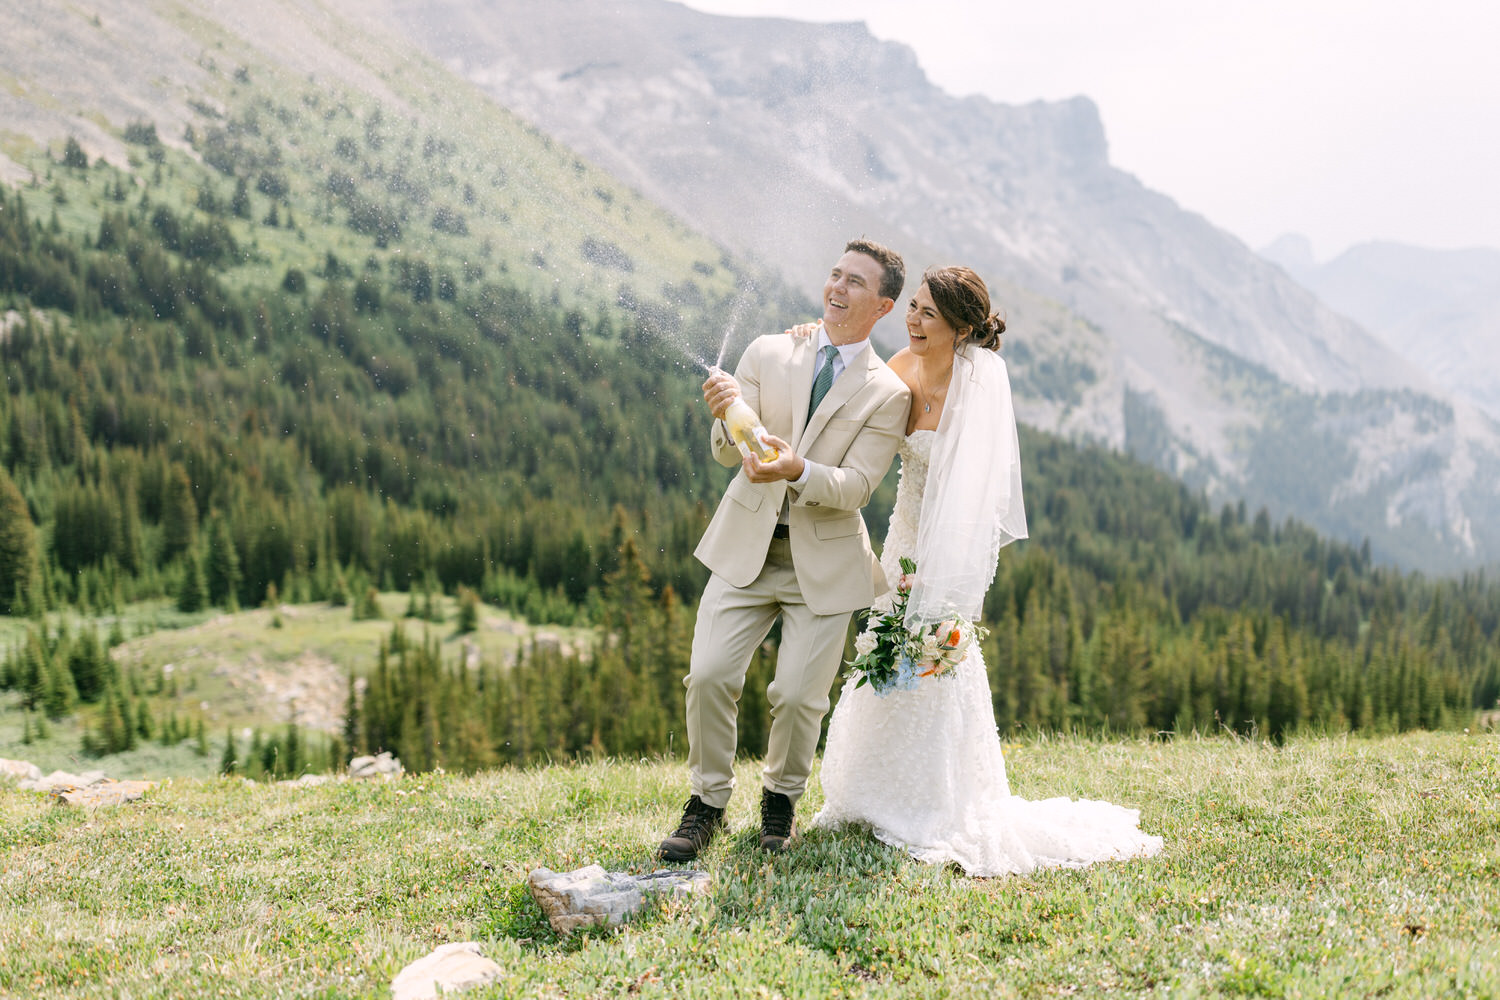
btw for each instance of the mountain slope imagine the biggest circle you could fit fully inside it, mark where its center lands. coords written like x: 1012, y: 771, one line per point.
x: 502, y: 194
x: 1439, y: 309
x: 781, y: 139
x: 330, y: 343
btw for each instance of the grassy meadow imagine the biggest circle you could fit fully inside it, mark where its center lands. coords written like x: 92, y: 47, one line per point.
x: 1324, y: 867
x: 244, y: 670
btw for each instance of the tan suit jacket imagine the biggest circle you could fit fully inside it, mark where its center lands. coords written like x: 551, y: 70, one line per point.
x: 850, y: 441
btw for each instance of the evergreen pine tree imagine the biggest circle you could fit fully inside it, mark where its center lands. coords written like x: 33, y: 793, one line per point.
x: 432, y: 593
x: 143, y: 726
x: 179, y: 515
x: 60, y: 695
x: 240, y: 203
x: 255, y: 754
x: 270, y: 758
x: 223, y: 571
x: 229, y: 761
x: 74, y: 156
x: 192, y: 591
x: 338, y: 588
x: 18, y: 548
x: 86, y: 660
x: 291, y: 748
x: 110, y: 738
x: 352, y: 729
x: 367, y: 606
x: 131, y: 548
x: 32, y: 678
x: 468, y: 610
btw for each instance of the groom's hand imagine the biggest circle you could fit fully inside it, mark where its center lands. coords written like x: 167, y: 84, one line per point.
x: 719, y: 390
x: 788, y: 464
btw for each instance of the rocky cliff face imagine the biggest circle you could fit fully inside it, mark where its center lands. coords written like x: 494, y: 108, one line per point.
x: 1132, y: 321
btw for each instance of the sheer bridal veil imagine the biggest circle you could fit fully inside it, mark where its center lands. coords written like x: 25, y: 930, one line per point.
x: 972, y: 502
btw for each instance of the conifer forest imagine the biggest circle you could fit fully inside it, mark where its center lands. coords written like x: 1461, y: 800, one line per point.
x: 316, y: 351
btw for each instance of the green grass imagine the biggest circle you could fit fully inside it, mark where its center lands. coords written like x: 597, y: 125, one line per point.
x: 1322, y: 868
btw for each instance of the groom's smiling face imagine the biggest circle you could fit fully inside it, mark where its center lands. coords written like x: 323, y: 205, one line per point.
x: 851, y: 298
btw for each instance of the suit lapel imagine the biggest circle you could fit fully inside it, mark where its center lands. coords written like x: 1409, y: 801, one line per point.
x: 804, y: 360
x: 844, y: 389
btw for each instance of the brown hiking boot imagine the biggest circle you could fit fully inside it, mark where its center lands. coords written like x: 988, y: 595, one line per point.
x: 698, y: 826
x: 777, y: 821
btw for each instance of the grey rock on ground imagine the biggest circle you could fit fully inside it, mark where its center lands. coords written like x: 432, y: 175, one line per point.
x: 62, y: 780
x: 103, y: 793
x: 594, y: 896
x: 451, y: 968
x: 382, y: 765
x: 19, y: 770
x: 90, y: 789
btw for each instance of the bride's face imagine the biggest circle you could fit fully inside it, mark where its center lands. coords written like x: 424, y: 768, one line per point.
x: 925, y: 326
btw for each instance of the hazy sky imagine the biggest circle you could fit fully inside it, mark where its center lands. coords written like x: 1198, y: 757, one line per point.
x: 1344, y: 120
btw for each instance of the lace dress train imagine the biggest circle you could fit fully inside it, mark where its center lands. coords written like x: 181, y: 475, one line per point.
x: 924, y: 769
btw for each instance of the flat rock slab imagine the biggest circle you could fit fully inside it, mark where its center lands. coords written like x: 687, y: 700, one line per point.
x: 379, y: 766
x: 104, y: 793
x: 19, y: 770
x: 63, y: 780
x: 451, y: 968
x: 594, y: 896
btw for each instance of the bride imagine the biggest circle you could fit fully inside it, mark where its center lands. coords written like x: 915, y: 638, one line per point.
x: 920, y: 763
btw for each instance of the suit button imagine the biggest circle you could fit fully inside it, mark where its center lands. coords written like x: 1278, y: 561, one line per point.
x: 811, y: 503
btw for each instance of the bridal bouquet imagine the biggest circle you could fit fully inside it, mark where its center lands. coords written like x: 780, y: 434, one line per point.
x: 891, y: 658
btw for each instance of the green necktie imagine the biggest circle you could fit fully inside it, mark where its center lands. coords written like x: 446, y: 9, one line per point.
x: 823, y: 382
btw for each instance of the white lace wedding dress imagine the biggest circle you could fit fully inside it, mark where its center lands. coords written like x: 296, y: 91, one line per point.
x: 924, y: 770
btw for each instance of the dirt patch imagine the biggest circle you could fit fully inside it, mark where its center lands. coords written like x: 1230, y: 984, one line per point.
x: 313, y: 685
x: 310, y: 687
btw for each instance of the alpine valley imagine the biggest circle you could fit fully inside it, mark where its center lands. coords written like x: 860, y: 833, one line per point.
x: 311, y: 305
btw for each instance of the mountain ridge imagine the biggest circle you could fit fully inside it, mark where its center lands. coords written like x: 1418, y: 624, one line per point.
x: 823, y: 132
x: 1439, y: 309
x: 780, y: 139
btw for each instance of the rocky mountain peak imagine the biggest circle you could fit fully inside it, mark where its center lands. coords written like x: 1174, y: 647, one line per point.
x: 1133, y: 322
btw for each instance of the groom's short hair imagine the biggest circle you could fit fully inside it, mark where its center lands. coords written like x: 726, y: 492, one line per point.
x: 894, y: 278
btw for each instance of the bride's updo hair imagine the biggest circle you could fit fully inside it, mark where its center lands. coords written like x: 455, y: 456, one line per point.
x: 961, y: 296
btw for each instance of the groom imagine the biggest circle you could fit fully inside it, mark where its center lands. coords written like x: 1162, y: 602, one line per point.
x: 788, y: 540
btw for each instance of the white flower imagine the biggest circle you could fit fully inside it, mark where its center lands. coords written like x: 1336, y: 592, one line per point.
x: 931, y: 650
x: 863, y: 643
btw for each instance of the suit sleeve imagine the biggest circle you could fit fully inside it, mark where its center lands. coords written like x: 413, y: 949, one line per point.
x: 848, y: 486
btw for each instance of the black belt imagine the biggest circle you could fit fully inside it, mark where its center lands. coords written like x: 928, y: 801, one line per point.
x: 782, y: 531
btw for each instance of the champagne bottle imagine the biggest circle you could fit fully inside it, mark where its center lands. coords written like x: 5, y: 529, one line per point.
x: 747, y: 432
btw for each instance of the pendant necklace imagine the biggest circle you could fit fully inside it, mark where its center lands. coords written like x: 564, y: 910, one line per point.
x: 926, y: 406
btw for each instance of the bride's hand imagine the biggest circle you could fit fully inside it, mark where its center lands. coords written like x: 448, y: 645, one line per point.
x: 802, y: 330
x: 907, y: 581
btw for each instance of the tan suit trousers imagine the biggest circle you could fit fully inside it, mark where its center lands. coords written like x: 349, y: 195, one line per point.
x: 732, y: 622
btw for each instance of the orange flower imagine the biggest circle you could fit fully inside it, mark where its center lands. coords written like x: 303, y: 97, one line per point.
x: 949, y: 635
